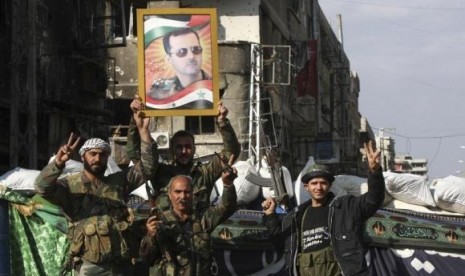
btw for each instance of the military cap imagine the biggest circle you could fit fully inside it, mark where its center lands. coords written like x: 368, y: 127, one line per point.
x: 318, y: 170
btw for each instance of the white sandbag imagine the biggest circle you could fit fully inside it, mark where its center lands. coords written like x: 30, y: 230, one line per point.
x: 349, y: 184
x: 449, y: 193
x: 246, y: 191
x: 353, y: 185
x: 397, y: 204
x: 409, y: 188
x: 112, y: 167
x: 288, y: 184
x: 71, y: 166
x: 19, y: 179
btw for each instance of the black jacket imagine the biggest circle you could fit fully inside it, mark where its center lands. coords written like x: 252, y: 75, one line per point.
x: 347, y: 216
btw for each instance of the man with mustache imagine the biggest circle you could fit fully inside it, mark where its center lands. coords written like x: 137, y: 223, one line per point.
x: 184, y: 53
x: 178, y: 240
x: 94, y: 204
x: 182, y: 147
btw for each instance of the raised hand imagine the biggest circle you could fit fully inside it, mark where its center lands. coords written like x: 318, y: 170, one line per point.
x: 137, y: 104
x: 142, y: 123
x: 66, y: 151
x: 373, y: 156
x: 222, y: 112
x: 229, y: 173
x: 269, y: 206
x: 152, y: 225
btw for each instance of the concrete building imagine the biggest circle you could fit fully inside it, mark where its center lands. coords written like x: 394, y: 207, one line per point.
x: 386, y: 145
x: 408, y: 164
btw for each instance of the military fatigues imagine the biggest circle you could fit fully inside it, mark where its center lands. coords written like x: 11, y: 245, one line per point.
x: 164, y: 88
x: 203, y: 175
x: 98, y: 216
x: 184, y: 248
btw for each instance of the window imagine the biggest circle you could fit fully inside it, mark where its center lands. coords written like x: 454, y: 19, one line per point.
x: 200, y: 124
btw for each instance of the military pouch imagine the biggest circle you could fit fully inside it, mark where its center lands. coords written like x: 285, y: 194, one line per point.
x: 202, y: 245
x: 97, y: 242
x: 77, y: 241
x: 305, y: 260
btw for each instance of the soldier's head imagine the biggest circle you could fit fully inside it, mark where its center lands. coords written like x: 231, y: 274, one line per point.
x: 94, y: 154
x: 317, y: 181
x: 184, y: 53
x: 180, y: 194
x: 183, y: 147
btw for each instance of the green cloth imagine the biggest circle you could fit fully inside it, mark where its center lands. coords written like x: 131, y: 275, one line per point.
x: 37, y: 247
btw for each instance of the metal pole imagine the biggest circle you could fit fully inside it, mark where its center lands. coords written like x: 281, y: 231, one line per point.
x: 4, y: 240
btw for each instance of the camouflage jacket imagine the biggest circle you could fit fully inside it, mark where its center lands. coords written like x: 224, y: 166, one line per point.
x: 184, y: 248
x: 203, y: 175
x: 97, y: 214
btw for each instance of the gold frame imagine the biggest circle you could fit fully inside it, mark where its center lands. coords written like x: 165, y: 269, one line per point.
x: 156, y: 75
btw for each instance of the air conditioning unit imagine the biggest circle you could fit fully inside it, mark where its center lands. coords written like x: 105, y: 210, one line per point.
x: 162, y: 139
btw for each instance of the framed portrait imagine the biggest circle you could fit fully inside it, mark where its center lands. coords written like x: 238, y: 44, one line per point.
x: 178, y: 61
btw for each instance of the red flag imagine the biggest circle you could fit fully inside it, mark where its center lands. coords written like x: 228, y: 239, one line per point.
x: 307, y: 78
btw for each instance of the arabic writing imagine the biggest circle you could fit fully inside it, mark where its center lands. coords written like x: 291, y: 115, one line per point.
x: 406, y: 231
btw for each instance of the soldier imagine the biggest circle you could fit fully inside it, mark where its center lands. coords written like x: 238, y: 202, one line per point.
x: 323, y: 236
x: 178, y: 240
x: 183, y: 149
x: 94, y: 204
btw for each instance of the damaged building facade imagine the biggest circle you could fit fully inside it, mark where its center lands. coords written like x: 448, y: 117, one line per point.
x: 72, y: 66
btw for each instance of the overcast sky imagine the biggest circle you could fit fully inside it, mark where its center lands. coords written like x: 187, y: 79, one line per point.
x: 410, y: 57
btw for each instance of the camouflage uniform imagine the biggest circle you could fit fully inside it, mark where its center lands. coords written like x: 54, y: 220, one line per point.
x: 185, y: 248
x: 98, y: 217
x: 164, y: 88
x: 203, y: 175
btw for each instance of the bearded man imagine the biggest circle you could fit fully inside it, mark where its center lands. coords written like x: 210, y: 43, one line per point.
x: 94, y: 204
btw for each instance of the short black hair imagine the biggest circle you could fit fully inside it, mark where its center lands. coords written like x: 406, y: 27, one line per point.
x: 183, y: 31
x: 182, y: 133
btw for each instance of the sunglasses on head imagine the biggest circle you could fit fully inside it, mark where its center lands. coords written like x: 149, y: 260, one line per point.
x: 182, y: 52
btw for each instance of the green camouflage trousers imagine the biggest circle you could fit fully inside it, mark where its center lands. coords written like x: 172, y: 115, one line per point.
x: 318, y: 263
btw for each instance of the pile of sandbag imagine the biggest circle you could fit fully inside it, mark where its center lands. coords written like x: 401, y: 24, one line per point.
x: 449, y: 193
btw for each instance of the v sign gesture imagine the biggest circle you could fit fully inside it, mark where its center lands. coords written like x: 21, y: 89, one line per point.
x: 66, y: 151
x: 373, y: 156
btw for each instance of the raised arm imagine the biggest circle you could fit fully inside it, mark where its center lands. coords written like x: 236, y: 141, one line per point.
x: 145, y: 167
x: 231, y: 148
x: 215, y: 215
x: 373, y: 199
x: 46, y: 183
x: 231, y: 145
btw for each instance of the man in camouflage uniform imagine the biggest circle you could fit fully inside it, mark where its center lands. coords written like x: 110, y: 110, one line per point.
x: 183, y: 149
x: 94, y: 204
x: 178, y: 240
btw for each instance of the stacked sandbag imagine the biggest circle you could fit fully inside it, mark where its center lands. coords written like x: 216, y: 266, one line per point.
x: 19, y: 179
x: 449, y: 193
x: 246, y: 191
x: 353, y: 185
x: 409, y: 188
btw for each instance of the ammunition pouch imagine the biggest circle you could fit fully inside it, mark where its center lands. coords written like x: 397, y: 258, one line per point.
x: 100, y: 239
